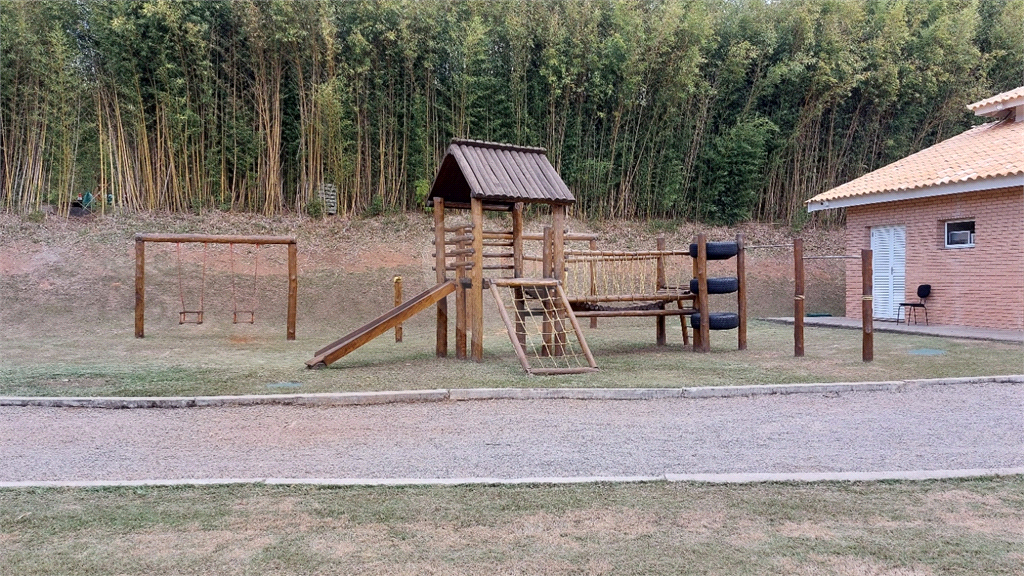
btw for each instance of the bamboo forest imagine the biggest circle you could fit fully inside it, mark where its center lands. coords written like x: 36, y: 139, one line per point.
x: 712, y: 110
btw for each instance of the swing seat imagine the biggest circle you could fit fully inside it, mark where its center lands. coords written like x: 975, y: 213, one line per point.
x: 190, y: 317
x: 244, y: 317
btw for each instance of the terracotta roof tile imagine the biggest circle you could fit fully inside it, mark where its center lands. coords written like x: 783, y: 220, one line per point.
x: 987, y: 151
x: 1015, y: 94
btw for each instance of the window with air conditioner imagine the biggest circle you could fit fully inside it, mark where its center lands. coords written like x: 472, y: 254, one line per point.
x: 960, y: 234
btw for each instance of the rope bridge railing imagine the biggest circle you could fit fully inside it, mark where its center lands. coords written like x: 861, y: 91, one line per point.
x: 619, y: 276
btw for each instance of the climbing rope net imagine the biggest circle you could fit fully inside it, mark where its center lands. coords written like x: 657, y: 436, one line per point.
x: 543, y: 330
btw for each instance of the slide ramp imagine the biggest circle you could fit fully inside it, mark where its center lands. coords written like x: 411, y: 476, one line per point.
x: 418, y: 303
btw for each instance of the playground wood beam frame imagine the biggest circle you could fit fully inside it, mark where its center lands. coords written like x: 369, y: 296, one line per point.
x: 140, y: 268
x: 867, y: 300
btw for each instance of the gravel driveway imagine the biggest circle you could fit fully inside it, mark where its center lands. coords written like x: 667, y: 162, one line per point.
x: 930, y: 428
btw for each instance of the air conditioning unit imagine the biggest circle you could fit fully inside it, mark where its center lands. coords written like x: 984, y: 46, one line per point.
x: 957, y: 237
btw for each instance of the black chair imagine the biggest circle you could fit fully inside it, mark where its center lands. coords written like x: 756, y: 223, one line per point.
x: 923, y: 291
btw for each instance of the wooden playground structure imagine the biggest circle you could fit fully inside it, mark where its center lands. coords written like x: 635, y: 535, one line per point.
x: 541, y: 292
x: 541, y: 284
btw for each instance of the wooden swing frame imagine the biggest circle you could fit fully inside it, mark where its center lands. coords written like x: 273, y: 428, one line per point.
x: 140, y: 268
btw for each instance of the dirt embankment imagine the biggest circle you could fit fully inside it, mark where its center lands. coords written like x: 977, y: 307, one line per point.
x: 82, y: 270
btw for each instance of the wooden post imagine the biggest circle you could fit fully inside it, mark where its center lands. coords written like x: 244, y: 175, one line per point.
x: 476, y: 293
x: 696, y: 306
x: 867, y: 306
x: 398, y: 302
x: 545, y: 254
x: 140, y: 287
x: 440, y: 262
x: 517, y: 240
x: 702, y: 282
x: 293, y: 287
x: 548, y: 267
x: 593, y: 281
x: 558, y: 241
x: 798, y: 297
x: 659, y: 321
x: 460, y: 301
x: 558, y: 261
x: 741, y: 292
x: 517, y: 271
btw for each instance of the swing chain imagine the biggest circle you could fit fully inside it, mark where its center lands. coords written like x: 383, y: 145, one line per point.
x: 183, y: 314
x: 234, y: 298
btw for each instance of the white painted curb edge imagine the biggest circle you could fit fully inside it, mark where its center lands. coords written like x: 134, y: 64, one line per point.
x: 733, y: 478
x: 440, y: 395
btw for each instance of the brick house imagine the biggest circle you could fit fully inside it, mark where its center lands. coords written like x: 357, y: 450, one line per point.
x: 951, y: 216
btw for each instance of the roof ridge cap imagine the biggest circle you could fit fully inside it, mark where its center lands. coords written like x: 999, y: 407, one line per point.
x: 498, y: 145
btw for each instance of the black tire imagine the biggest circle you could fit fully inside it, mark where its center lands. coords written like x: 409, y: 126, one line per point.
x: 726, y: 285
x: 718, y: 321
x: 717, y: 250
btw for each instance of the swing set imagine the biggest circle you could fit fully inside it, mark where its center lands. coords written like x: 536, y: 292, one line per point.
x: 186, y: 316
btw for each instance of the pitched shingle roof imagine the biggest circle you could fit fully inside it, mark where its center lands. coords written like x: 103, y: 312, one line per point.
x: 498, y: 173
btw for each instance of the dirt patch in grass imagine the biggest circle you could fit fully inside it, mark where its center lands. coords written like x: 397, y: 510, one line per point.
x: 805, y: 530
x: 974, y: 512
x: 849, y: 566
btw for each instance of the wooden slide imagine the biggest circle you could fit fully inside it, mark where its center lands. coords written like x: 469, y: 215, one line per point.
x: 380, y: 325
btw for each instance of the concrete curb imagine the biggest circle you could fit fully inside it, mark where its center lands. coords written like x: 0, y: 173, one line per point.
x: 934, y: 331
x: 564, y: 393
x: 915, y: 475
x: 441, y: 395
x: 731, y: 478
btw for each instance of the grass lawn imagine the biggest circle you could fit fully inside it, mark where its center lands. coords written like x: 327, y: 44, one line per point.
x: 232, y: 360
x: 968, y: 527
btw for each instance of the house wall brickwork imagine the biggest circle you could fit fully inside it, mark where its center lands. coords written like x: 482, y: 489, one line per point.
x: 979, y: 286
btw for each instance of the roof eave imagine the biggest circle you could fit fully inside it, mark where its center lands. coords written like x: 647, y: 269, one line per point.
x: 992, y: 183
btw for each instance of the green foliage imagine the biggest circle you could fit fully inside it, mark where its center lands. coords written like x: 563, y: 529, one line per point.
x: 315, y: 208
x: 422, y: 191
x: 689, y: 109
x: 734, y: 168
x: 375, y: 208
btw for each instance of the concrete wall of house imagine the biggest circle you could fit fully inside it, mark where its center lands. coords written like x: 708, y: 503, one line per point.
x: 979, y: 286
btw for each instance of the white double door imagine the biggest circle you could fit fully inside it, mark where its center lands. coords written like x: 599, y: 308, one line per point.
x: 889, y: 269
